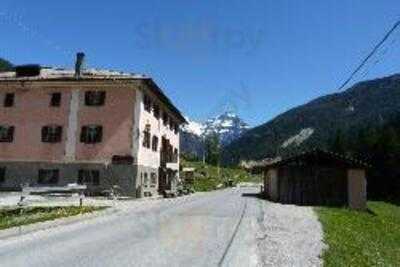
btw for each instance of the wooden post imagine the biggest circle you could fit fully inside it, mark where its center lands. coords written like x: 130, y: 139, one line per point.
x: 273, y: 184
x: 357, y: 189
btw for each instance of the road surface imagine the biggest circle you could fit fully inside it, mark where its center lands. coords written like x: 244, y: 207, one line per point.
x: 212, y: 229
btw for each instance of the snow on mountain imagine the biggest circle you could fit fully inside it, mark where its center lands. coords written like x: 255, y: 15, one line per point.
x: 193, y: 127
x: 227, y: 125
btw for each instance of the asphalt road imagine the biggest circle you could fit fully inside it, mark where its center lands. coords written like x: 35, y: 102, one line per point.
x: 213, y: 229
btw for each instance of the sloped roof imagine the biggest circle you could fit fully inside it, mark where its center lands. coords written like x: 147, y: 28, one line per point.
x: 56, y: 74
x: 316, y: 154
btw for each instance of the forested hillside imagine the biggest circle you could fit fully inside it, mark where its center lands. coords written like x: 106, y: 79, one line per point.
x: 367, y: 104
x: 5, y: 65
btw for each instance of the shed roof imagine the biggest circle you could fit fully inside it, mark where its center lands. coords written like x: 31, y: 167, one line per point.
x: 316, y: 155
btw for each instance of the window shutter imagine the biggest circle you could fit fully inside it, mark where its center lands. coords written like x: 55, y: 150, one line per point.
x: 99, y: 135
x: 59, y: 134
x: 95, y: 177
x: 11, y: 133
x: 102, y: 97
x: 45, y: 133
x: 40, y: 178
x: 87, y: 98
x: 55, y: 100
x: 84, y: 134
x: 80, y: 177
x: 54, y: 176
x: 2, y: 174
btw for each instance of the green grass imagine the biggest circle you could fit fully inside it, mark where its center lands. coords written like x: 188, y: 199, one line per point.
x: 362, y: 238
x: 28, y: 215
x: 208, y: 177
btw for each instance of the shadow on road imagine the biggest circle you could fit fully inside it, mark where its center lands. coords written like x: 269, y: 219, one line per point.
x: 253, y: 195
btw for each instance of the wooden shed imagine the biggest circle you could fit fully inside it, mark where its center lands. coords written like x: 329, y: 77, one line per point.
x: 317, y: 177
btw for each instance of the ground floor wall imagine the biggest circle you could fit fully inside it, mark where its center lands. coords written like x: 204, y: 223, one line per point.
x: 131, y: 180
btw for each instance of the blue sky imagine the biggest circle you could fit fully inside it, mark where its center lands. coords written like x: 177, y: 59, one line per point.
x: 259, y: 58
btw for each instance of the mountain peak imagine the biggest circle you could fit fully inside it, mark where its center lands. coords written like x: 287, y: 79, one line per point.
x: 228, y: 126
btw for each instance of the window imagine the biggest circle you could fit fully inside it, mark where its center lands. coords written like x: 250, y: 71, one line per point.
x: 55, y: 100
x: 2, y: 174
x: 165, y: 118
x: 95, y: 98
x: 91, y: 134
x: 176, y: 154
x: 146, y: 180
x: 51, y: 134
x: 9, y: 100
x: 146, y: 136
x: 171, y: 124
x: 176, y: 128
x: 89, y: 177
x: 147, y: 103
x: 6, y: 134
x: 153, y: 178
x: 156, y: 111
x: 154, y: 143
x: 48, y: 176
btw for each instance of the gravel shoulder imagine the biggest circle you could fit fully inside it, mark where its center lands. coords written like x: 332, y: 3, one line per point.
x: 289, y: 235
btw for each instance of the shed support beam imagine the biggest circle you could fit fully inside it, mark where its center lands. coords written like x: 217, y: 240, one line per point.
x: 357, y: 189
x: 273, y: 189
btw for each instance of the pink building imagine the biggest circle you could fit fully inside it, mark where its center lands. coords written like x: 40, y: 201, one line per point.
x: 98, y: 128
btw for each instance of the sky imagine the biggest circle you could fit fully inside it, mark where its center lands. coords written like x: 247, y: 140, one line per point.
x: 258, y: 58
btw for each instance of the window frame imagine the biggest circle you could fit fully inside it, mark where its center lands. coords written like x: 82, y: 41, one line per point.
x: 91, y: 98
x: 147, y: 103
x: 165, y: 118
x: 154, y: 143
x: 3, y: 171
x: 156, y: 111
x: 85, y: 136
x: 147, y: 137
x: 9, y: 100
x: 52, y: 134
x: 175, y: 155
x: 176, y: 128
x: 9, y: 137
x: 52, y: 181
x: 153, y: 178
x: 146, y: 179
x: 55, y: 99
x: 89, y: 177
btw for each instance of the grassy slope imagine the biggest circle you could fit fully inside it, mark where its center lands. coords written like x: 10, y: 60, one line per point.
x: 208, y: 177
x: 21, y: 216
x: 362, y: 239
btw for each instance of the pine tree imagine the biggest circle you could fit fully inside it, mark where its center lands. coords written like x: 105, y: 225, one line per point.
x: 5, y: 65
x: 212, y: 147
x: 338, y: 144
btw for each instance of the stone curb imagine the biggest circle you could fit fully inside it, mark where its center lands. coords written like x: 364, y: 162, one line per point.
x: 29, y: 228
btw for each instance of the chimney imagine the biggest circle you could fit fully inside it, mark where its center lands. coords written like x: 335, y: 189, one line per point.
x: 80, y: 57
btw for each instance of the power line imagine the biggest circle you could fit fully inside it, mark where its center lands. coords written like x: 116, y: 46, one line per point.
x: 396, y: 25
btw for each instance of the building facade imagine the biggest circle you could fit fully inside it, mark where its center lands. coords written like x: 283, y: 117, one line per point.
x: 99, y: 128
